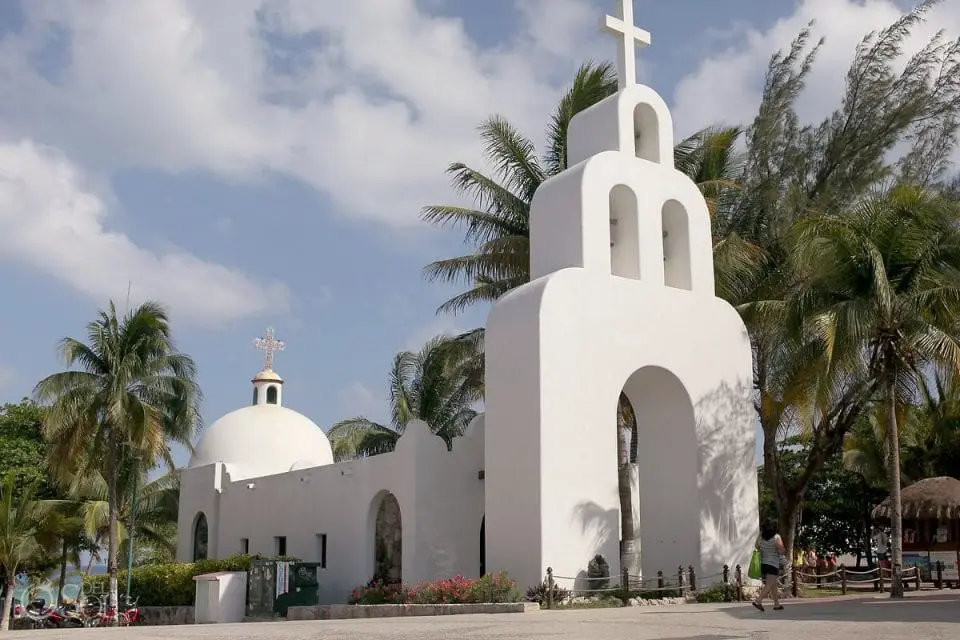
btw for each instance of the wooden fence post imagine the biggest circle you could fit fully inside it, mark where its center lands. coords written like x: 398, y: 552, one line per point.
x: 916, y: 573
x: 795, y: 581
x: 843, y: 579
x: 726, y: 574
x: 939, y: 574
x: 880, y: 577
x: 549, y: 587
x: 660, y: 581
x: 680, y: 580
x: 625, y: 580
x: 693, y: 578
x: 738, y: 576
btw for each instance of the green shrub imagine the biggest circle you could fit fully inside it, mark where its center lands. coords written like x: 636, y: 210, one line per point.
x: 169, y: 584
x: 497, y: 587
x: 538, y: 594
x: 717, y: 593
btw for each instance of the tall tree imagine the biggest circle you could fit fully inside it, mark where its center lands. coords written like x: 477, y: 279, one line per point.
x: 796, y: 172
x: 22, y: 519
x: 23, y: 451
x: 884, y: 286
x: 427, y: 385
x: 128, y: 393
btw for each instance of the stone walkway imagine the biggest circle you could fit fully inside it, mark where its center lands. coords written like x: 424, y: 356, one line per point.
x: 925, y: 616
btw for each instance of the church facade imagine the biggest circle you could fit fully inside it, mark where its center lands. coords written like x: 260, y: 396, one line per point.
x: 262, y: 481
x: 621, y: 300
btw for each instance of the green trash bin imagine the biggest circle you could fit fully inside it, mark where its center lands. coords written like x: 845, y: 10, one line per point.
x: 302, y: 587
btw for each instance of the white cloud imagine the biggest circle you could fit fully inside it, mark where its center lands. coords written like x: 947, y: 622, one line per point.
x: 358, y: 400
x: 52, y: 220
x: 369, y: 106
x: 727, y: 86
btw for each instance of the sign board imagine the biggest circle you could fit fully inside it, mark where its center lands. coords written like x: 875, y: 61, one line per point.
x: 949, y: 560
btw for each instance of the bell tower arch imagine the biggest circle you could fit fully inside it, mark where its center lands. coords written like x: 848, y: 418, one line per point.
x: 621, y: 298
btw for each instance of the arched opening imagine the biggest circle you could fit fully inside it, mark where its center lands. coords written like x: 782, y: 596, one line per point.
x: 388, y: 541
x: 624, y: 233
x: 201, y: 536
x: 663, y: 484
x: 483, y: 546
x: 272, y: 394
x: 256, y: 394
x: 676, y: 246
x: 646, y: 132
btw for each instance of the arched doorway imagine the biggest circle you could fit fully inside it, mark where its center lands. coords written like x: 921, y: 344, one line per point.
x: 200, y: 538
x: 666, y: 455
x: 388, y: 540
x: 483, y: 546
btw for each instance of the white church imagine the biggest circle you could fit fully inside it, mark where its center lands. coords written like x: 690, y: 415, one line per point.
x: 621, y: 298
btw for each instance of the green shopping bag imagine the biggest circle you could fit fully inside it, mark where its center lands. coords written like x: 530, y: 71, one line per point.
x: 754, y: 571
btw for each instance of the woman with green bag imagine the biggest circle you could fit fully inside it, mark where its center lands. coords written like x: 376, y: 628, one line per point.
x: 768, y: 552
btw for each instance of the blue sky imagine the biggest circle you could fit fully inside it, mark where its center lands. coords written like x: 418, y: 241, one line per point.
x: 262, y: 162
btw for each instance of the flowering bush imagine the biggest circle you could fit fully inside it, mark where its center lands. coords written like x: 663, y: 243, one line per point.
x: 497, y: 587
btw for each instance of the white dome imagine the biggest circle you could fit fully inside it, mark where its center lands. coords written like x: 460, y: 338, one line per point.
x: 263, y: 440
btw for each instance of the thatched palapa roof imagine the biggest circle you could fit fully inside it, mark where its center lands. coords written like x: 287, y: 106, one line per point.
x: 933, y: 499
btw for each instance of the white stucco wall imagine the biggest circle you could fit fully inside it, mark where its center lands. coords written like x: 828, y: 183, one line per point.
x: 439, y: 493
x: 639, y: 316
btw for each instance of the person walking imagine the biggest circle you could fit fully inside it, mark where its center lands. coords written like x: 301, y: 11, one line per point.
x: 771, y: 549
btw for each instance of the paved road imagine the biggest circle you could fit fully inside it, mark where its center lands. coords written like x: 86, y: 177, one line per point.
x: 926, y: 616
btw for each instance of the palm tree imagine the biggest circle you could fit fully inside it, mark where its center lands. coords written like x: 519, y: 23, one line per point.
x: 153, y: 508
x: 427, y: 385
x: 63, y: 537
x: 23, y: 519
x: 932, y: 442
x: 884, y: 286
x: 865, y: 450
x: 131, y: 394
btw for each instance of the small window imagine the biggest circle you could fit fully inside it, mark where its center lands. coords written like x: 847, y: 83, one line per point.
x: 200, y: 534
x: 245, y: 546
x: 280, y: 545
x: 271, y: 395
x: 256, y: 393
x: 322, y: 549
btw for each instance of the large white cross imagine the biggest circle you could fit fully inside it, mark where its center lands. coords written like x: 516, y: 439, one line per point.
x: 269, y: 345
x: 628, y: 35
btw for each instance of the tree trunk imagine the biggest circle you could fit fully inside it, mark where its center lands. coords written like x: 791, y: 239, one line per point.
x: 65, y: 548
x: 93, y: 556
x: 113, y: 533
x: 628, y: 553
x: 7, y: 604
x: 893, y: 472
x: 787, y: 526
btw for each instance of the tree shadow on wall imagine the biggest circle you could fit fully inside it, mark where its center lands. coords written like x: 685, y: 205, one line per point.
x: 603, y: 526
x: 727, y: 461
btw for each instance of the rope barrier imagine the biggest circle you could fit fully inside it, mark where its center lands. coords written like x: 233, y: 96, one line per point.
x: 685, y: 582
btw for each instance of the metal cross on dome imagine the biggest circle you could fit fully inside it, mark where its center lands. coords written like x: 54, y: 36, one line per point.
x: 269, y: 345
x: 628, y: 36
